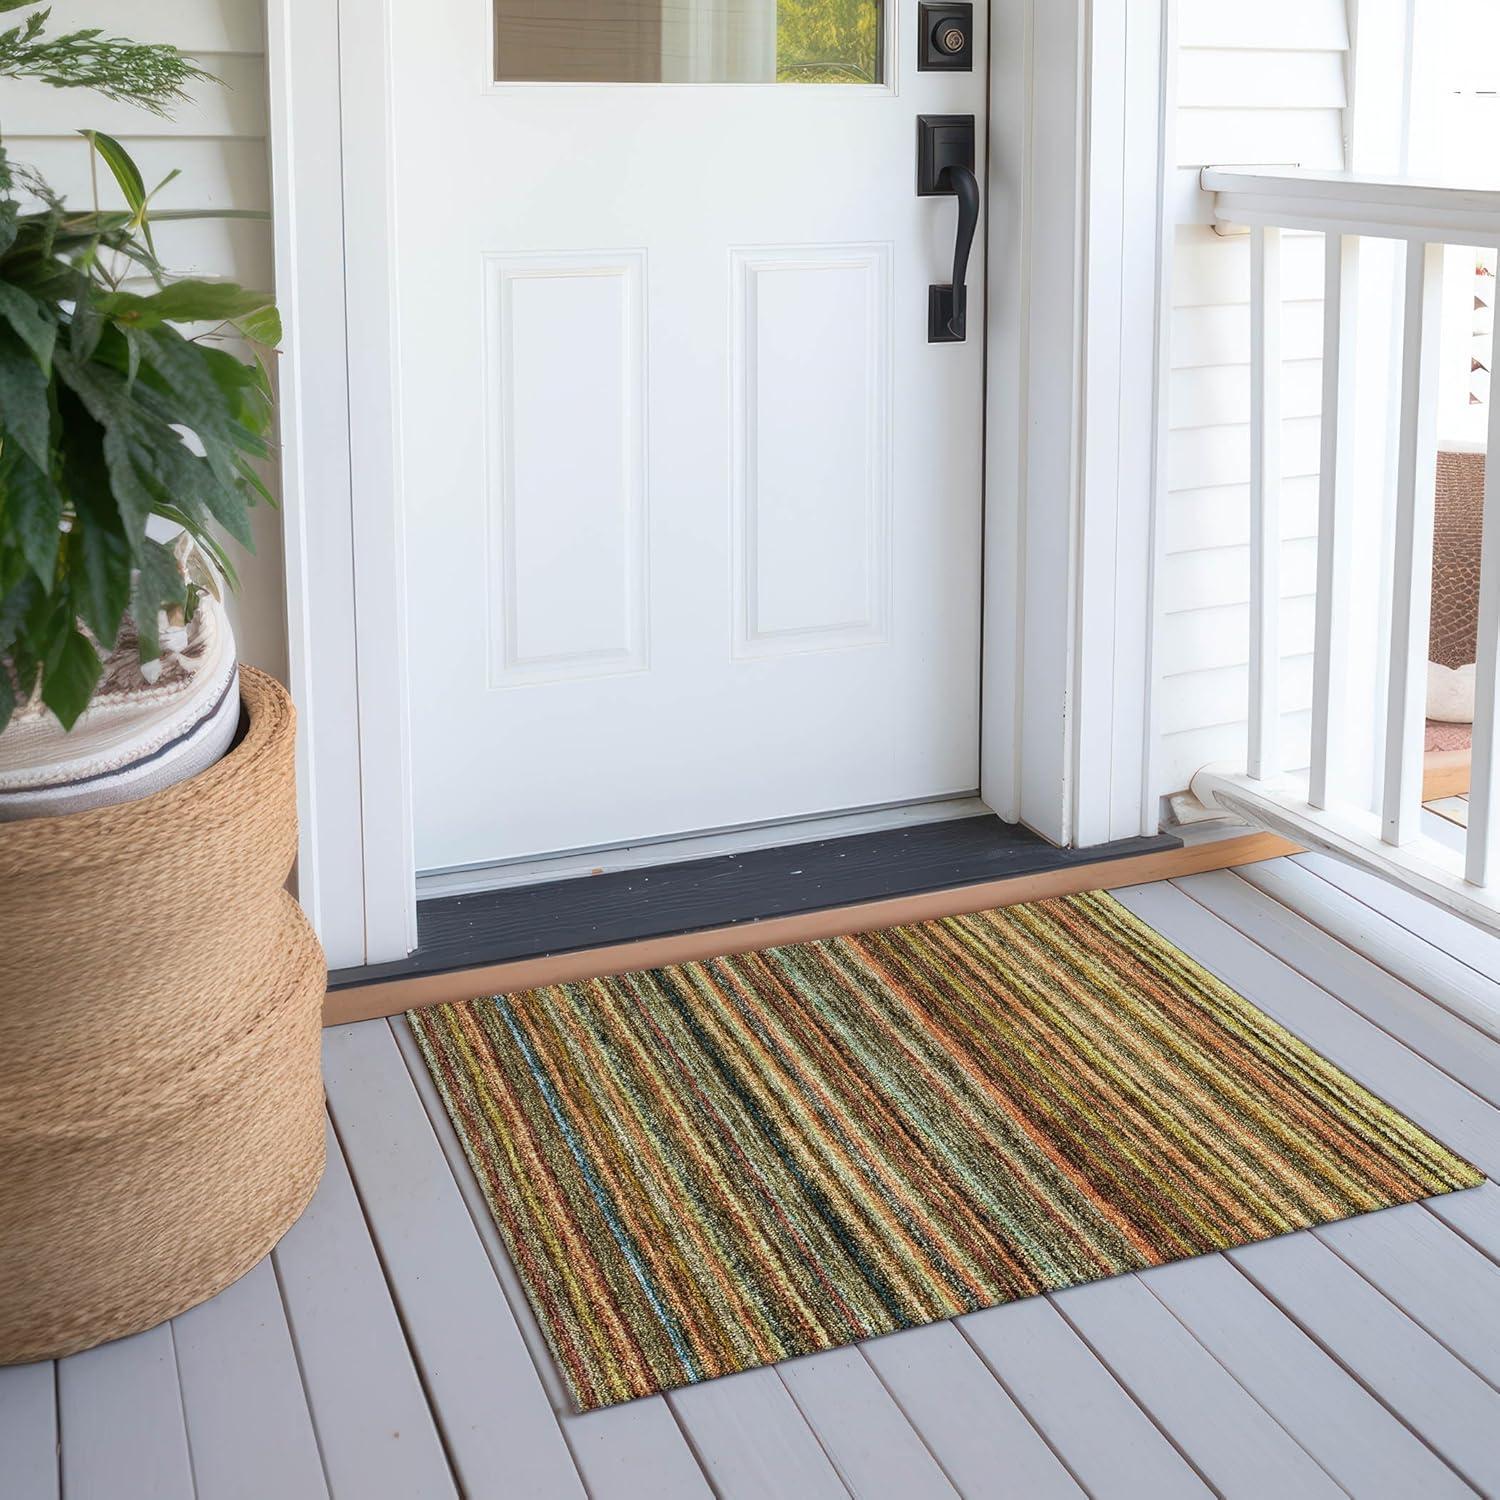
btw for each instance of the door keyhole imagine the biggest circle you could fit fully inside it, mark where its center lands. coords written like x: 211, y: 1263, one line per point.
x: 945, y: 36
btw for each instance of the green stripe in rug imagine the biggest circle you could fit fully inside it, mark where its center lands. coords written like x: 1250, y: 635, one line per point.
x: 714, y: 1166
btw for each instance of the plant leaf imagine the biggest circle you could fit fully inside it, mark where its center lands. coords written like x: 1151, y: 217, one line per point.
x: 198, y: 403
x: 195, y: 392
x: 122, y: 168
x: 187, y: 301
x: 71, y: 670
x: 171, y: 176
x: 263, y: 326
x: 33, y: 508
x: 29, y: 319
x: 132, y: 498
x: 158, y: 585
x: 181, y: 482
x: 102, y: 394
x: 15, y: 604
x: 86, y: 330
x: 7, y: 694
x: 101, y: 578
x: 245, y: 388
x: 25, y: 414
x: 207, y: 542
x: 97, y: 555
x: 248, y: 475
x: 132, y: 356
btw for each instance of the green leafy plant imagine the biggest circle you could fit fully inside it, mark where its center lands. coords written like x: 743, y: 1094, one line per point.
x: 148, y: 74
x: 118, y: 403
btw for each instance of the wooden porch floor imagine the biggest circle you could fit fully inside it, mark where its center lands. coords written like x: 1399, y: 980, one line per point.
x: 385, y: 1349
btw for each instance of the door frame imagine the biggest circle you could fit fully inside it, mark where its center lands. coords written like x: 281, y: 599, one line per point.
x: 1079, y: 136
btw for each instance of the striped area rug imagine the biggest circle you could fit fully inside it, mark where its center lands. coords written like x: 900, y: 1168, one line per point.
x: 714, y: 1166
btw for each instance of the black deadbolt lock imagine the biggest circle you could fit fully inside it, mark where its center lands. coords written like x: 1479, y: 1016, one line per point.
x: 946, y: 38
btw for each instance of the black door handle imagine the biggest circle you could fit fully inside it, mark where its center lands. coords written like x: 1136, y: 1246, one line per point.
x: 966, y: 189
x: 945, y: 168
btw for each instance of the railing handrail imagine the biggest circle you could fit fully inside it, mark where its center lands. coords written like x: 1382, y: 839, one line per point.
x: 1353, y: 203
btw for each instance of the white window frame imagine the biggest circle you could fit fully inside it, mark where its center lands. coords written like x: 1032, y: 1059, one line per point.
x: 1079, y: 119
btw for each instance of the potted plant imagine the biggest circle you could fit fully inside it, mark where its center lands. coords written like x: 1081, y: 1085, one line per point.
x: 160, y: 1100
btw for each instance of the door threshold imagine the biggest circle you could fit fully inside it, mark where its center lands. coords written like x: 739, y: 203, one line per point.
x: 493, y: 927
x: 605, y: 859
x: 1095, y: 872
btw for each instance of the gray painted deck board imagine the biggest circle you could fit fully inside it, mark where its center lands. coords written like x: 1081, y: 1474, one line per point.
x: 391, y: 1327
x: 1437, y: 1396
x: 374, y: 1428
x: 1270, y: 911
x: 1231, y: 1440
x: 624, y: 1452
x: 499, y: 1429
x: 119, y: 1409
x: 1104, y: 1437
x: 28, y: 1429
x: 1444, y: 930
x: 1362, y: 1444
x: 239, y: 1381
x: 753, y: 1441
x: 1474, y: 1215
x: 988, y: 1447
x: 861, y: 1428
x: 1436, y: 1277
x: 1466, y: 992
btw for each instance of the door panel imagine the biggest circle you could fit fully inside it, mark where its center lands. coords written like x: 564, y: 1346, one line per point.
x: 692, y: 503
x: 566, y: 541
x: 811, y: 399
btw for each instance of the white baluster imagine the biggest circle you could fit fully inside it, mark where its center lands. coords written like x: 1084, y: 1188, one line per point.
x: 1411, y: 602
x: 1263, y: 755
x: 1331, y: 636
x: 1484, y: 805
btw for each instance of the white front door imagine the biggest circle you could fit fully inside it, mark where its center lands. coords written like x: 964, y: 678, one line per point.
x: 692, y: 503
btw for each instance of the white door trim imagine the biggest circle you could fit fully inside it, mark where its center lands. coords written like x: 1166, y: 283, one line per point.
x: 1077, y: 151
x: 1080, y: 157
x: 345, y: 574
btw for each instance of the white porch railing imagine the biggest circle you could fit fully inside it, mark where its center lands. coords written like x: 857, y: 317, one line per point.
x: 1383, y: 833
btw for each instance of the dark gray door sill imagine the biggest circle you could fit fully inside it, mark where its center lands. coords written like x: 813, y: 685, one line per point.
x: 564, y: 916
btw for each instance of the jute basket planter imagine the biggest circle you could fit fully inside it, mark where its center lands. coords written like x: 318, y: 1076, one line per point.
x: 161, y: 1103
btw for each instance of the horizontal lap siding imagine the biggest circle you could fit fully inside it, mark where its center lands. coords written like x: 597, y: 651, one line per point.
x: 1256, y: 85
x: 217, y: 141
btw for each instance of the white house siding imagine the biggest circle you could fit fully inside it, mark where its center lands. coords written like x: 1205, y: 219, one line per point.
x: 218, y: 141
x: 1259, y: 84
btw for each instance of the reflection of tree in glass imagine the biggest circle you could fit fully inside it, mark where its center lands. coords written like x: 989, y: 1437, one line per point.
x: 828, y: 41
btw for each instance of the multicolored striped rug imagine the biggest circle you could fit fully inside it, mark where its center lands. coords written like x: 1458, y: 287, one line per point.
x: 714, y: 1166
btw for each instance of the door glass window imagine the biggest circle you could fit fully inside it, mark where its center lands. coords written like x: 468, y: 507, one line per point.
x: 689, y: 41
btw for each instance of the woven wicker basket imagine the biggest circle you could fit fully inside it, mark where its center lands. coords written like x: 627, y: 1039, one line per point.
x: 161, y: 1104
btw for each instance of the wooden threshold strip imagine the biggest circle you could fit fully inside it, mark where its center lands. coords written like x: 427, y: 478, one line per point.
x: 392, y: 996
